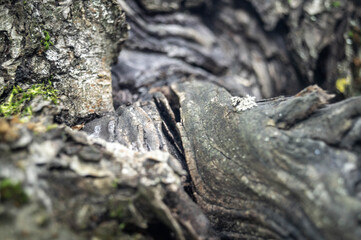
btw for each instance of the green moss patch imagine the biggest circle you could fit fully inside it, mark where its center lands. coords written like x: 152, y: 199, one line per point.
x: 19, y: 98
x: 12, y: 192
x: 336, y: 4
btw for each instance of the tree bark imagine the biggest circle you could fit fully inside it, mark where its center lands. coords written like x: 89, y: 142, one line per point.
x: 77, y: 187
x: 280, y: 168
x: 249, y: 47
x: 285, y: 169
x: 71, y: 43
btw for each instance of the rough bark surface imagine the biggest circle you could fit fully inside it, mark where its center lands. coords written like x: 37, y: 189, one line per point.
x: 288, y: 168
x: 143, y: 126
x: 77, y: 187
x: 262, y: 48
x: 72, y: 43
x: 301, y: 182
x: 353, y: 50
x: 285, y: 169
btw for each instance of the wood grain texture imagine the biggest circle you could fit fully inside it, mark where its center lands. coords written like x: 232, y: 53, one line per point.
x: 255, y: 180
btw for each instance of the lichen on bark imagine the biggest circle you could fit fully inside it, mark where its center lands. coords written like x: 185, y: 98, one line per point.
x: 74, y: 42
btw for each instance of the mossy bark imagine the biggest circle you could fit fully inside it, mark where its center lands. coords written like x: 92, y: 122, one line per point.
x: 73, y: 43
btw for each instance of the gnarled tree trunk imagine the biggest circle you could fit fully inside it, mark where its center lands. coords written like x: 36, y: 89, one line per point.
x: 281, y: 168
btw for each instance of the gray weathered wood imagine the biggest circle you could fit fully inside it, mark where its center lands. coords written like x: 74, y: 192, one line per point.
x: 256, y: 178
x: 79, y: 187
x: 288, y: 168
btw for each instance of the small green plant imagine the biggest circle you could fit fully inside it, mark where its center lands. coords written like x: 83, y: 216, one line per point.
x: 13, y: 192
x: 122, y: 226
x: 336, y: 4
x: 117, y: 212
x: 16, y: 103
x: 46, y: 41
x: 114, y: 184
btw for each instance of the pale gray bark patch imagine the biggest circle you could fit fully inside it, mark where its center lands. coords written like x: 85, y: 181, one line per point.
x: 73, y: 43
x: 140, y: 127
